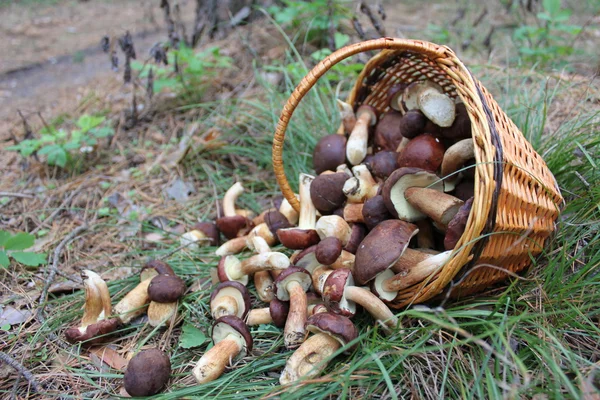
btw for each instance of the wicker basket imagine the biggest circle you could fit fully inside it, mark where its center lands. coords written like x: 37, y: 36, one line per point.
x: 516, y: 200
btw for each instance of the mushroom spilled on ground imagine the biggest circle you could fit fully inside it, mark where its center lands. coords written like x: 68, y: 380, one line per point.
x: 329, y: 152
x: 341, y: 296
x: 440, y: 207
x: 288, y: 212
x: 232, y: 340
x: 164, y: 291
x: 331, y: 331
x: 97, y: 309
x: 347, y: 116
x: 263, y: 282
x: 147, y: 373
x: 319, y: 276
x: 386, y: 285
x: 455, y: 157
x: 276, y: 314
x: 231, y: 224
x: 356, y: 148
x: 305, y: 234
x: 135, y: 303
x: 352, y: 212
x: 291, y: 285
x: 229, y: 298
x: 230, y: 268
x: 359, y: 231
x: 333, y: 226
x: 202, y: 234
x: 456, y: 227
x: 328, y: 250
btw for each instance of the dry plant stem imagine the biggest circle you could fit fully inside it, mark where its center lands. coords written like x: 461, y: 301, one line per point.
x: 227, y: 306
x: 307, y: 361
x: 213, y: 362
x: 308, y: 212
x: 11, y: 362
x: 372, y: 304
x: 259, y: 316
x: 230, y: 198
x: 408, y: 259
x: 231, y: 247
x: 347, y: 116
x: 263, y: 262
x: 356, y: 147
x: 18, y: 195
x: 134, y: 303
x: 294, y: 325
x: 440, y: 207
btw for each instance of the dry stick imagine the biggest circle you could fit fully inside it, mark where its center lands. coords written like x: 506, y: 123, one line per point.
x: 21, y: 370
x: 365, y: 9
x: 20, y: 195
x: 59, y: 209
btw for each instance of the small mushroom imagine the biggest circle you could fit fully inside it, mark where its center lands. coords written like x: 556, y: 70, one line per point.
x: 328, y: 250
x: 231, y: 224
x: 439, y: 206
x: 374, y: 211
x: 202, y: 234
x: 263, y: 282
x: 455, y: 157
x: 329, y: 152
x: 360, y: 187
x: 347, y: 116
x: 163, y: 292
x: 437, y: 106
x: 232, y: 340
x: 352, y: 212
x: 410, y: 96
x: 387, y: 133
x: 394, y: 188
x: 230, y: 268
x: 413, y: 124
x: 307, y: 259
x: 97, y: 308
x: 425, y: 152
x: 147, y: 373
x: 276, y: 314
x: 333, y: 226
x: 341, y: 296
x: 461, y: 127
x: 275, y: 221
x: 394, y: 96
x: 230, y: 298
x: 319, y: 275
x: 359, y: 231
x: 456, y: 227
x: 326, y: 191
x: 291, y: 285
x: 305, y: 234
x: 383, y: 164
x: 331, y: 331
x: 356, y: 148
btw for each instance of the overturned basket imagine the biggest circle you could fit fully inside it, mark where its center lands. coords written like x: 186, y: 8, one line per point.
x: 516, y: 198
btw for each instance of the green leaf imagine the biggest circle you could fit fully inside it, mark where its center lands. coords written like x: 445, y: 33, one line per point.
x: 56, y: 155
x: 4, y: 235
x: 87, y: 122
x: 4, y: 261
x: 20, y: 241
x: 191, y: 337
x: 551, y: 6
x: 105, y: 131
x: 340, y: 39
x: 30, y: 259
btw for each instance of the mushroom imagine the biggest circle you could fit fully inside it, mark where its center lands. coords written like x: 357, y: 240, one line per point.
x: 352, y: 212
x: 163, y: 292
x: 307, y: 259
x: 229, y: 298
x: 231, y: 224
x: 95, y: 321
x: 262, y: 279
x: 275, y: 221
x: 329, y: 152
x: 341, y: 296
x: 439, y: 206
x: 386, y: 285
x: 328, y: 250
x: 291, y: 285
x: 456, y: 227
x: 381, y: 248
x: 425, y: 239
x: 230, y: 268
x: 276, y: 314
x: 395, y: 186
x: 413, y: 124
x: 387, y: 133
x: 204, y: 232
x: 232, y: 340
x: 326, y: 191
x: 147, y: 373
x: 359, y: 231
x: 347, y: 116
x: 305, y: 234
x: 374, y: 211
x: 465, y: 190
x: 410, y: 96
x: 394, y: 96
x: 331, y: 331
x: 437, y: 106
x: 383, y: 164
x: 319, y: 275
x: 136, y: 301
x: 333, y: 225
x: 356, y: 148
x: 461, y: 127
x: 360, y: 187
x: 454, y: 158
x: 425, y: 152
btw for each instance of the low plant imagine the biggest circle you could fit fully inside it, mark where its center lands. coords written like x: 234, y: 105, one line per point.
x: 11, y: 246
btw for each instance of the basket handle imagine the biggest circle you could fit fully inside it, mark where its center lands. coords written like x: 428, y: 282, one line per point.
x: 431, y: 50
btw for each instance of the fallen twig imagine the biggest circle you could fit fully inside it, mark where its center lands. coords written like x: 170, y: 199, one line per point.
x: 59, y: 209
x: 35, y: 385
x: 20, y: 195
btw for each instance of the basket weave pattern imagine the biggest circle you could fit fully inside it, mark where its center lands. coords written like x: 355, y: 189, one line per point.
x: 516, y: 197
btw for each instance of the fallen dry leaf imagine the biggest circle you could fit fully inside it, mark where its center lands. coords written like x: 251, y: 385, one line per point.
x: 110, y: 357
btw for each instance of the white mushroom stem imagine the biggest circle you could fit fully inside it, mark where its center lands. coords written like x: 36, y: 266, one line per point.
x: 361, y: 187
x: 409, y: 258
x: 97, y: 299
x: 345, y: 260
x: 439, y: 206
x: 259, y: 316
x: 415, y: 273
x: 134, y: 303
x: 230, y: 198
x: 308, y: 212
x: 262, y: 231
x: 231, y: 247
x: 213, y: 362
x: 194, y: 239
x: 454, y: 158
x: 262, y: 279
x: 344, y: 168
x: 334, y: 226
x: 372, y: 304
x: 226, y: 305
x: 262, y: 262
x: 245, y: 213
x: 353, y: 213
x: 288, y: 211
x: 356, y: 147
x: 402, y: 145
x: 293, y: 332
x: 347, y: 116
x: 308, y: 360
x: 319, y: 276
x: 159, y: 313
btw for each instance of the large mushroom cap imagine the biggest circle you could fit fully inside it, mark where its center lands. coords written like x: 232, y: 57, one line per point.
x: 276, y: 220
x: 237, y: 328
x: 382, y: 247
x: 90, y: 333
x: 326, y: 191
x: 424, y: 152
x: 307, y: 259
x: 288, y: 275
x: 166, y: 288
x: 329, y: 152
x: 398, y: 182
x: 337, y: 326
x: 227, y: 264
x: 236, y: 291
x: 147, y: 373
x: 358, y: 233
x: 155, y: 267
x: 413, y: 124
x: 375, y: 211
x: 298, y: 239
x: 328, y: 250
x: 210, y: 231
x: 383, y: 164
x: 333, y: 292
x: 387, y: 134
x: 279, y: 311
x: 234, y: 226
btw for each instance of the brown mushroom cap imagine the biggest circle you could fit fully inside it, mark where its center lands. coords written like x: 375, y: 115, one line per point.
x: 298, y: 239
x: 413, y: 124
x: 333, y: 292
x: 403, y: 178
x: 424, y: 152
x: 461, y: 127
x: 90, y: 333
x: 382, y: 247
x: 337, y: 326
x: 289, y: 274
x: 358, y: 233
x: 279, y: 311
x: 155, y: 267
x: 230, y: 324
x: 382, y: 164
x: 387, y: 134
x: 329, y: 152
x: 166, y: 288
x: 234, y: 226
x: 465, y: 190
x: 235, y: 290
x: 326, y: 191
x: 456, y: 226
x: 307, y: 259
x: 147, y: 373
x: 328, y: 250
x: 209, y: 229
x: 227, y: 263
x: 275, y: 221
x: 375, y: 211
